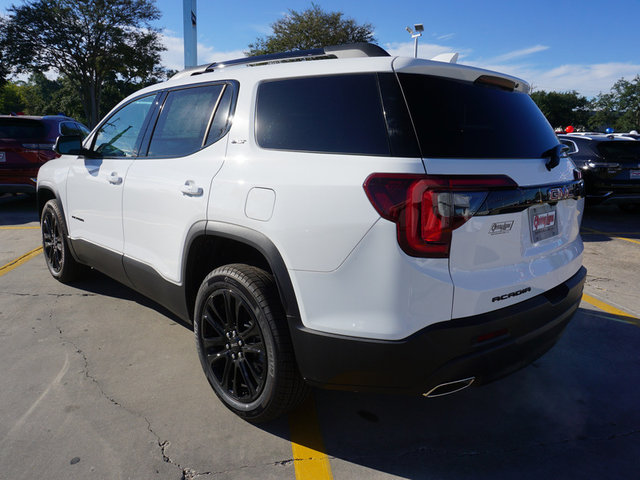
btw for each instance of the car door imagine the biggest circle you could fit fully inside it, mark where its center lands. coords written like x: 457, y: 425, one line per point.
x: 94, y: 187
x: 167, y: 191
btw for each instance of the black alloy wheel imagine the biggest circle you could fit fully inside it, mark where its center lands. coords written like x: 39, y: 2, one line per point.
x: 60, y: 262
x: 52, y: 241
x: 234, y: 345
x: 244, y: 345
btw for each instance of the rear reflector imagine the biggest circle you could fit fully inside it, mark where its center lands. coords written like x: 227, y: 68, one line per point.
x: 427, y: 208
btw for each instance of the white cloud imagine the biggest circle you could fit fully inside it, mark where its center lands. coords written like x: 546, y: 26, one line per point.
x: 173, y: 57
x: 447, y: 36
x: 519, y: 53
x: 588, y: 80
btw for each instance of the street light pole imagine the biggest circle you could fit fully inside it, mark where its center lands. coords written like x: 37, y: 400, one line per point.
x: 415, y: 35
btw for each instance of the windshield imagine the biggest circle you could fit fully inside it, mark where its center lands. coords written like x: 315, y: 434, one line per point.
x: 459, y: 119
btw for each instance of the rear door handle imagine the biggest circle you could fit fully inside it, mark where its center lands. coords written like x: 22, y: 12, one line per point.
x: 191, y: 189
x: 115, y: 179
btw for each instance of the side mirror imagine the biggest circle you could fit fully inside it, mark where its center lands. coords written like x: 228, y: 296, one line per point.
x: 71, y: 145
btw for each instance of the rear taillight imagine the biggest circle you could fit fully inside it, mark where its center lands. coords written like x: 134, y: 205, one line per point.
x: 427, y: 208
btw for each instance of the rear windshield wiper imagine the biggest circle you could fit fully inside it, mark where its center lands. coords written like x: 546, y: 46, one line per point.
x: 554, y: 154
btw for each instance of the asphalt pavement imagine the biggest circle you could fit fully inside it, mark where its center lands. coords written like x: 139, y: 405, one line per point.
x: 99, y: 382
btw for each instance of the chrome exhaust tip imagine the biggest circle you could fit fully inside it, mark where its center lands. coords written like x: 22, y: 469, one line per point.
x: 449, y: 388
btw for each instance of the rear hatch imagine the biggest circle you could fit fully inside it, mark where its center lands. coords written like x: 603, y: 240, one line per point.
x: 514, y: 205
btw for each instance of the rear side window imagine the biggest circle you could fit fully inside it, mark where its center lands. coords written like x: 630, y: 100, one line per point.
x: 184, y: 120
x: 455, y: 118
x: 332, y: 114
x: 21, y: 129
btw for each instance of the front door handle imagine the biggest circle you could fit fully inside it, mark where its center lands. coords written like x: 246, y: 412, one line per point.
x: 115, y: 179
x: 191, y: 189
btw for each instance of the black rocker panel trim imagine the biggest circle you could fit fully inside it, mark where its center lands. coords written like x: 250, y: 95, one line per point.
x: 102, y: 259
x: 150, y: 283
x: 147, y: 281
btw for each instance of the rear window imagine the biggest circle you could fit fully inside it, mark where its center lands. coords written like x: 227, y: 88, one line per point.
x: 455, y: 118
x: 620, y: 150
x: 333, y: 114
x: 21, y: 129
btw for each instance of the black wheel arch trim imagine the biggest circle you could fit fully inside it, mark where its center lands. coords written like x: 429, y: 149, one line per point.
x: 270, y: 252
x: 65, y: 226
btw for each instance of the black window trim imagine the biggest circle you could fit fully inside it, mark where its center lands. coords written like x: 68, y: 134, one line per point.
x: 146, y: 141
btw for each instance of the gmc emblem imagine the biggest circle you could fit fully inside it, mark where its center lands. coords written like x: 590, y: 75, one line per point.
x: 558, y: 193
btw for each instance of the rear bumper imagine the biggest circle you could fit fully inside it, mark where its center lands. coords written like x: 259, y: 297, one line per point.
x: 486, y: 347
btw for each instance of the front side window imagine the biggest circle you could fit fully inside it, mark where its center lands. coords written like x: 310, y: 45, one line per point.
x: 332, y: 114
x: 120, y: 134
x: 183, y: 122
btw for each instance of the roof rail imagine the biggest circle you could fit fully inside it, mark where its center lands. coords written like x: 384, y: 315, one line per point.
x: 349, y: 50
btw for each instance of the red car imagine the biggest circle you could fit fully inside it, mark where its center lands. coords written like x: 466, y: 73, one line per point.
x: 26, y: 143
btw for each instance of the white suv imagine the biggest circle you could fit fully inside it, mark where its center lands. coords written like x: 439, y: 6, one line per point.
x: 335, y: 217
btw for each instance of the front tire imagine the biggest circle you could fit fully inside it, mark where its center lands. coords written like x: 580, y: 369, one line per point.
x: 60, y: 262
x: 244, y: 345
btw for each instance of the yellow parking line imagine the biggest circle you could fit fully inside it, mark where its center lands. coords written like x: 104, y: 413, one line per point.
x: 605, y: 307
x: 612, y: 234
x: 19, y: 261
x: 20, y: 228
x: 309, y: 459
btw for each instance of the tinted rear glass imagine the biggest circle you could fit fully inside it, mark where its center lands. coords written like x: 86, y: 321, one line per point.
x: 620, y: 150
x: 21, y: 129
x: 460, y: 119
x: 334, y: 114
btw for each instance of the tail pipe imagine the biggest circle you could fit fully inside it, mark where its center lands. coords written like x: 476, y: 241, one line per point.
x: 449, y: 387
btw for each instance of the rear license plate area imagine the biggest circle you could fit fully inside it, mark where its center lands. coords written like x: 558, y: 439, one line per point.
x: 543, y: 222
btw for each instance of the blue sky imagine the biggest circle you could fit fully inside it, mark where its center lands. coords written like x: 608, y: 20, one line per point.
x: 555, y: 45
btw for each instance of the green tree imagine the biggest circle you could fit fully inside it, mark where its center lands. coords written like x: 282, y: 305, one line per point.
x: 312, y: 28
x: 603, y: 107
x: 620, y: 108
x: 85, y: 41
x: 563, y: 108
x: 627, y: 96
x: 12, y: 98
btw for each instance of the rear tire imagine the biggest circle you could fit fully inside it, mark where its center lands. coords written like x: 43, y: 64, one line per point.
x: 244, y: 344
x: 55, y: 246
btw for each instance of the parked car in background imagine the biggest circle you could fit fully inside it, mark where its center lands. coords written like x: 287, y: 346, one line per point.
x: 26, y: 143
x: 610, y: 166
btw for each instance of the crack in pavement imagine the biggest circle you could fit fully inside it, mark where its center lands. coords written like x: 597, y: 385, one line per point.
x: 187, y: 473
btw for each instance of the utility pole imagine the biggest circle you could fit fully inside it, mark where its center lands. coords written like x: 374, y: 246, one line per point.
x: 189, y: 21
